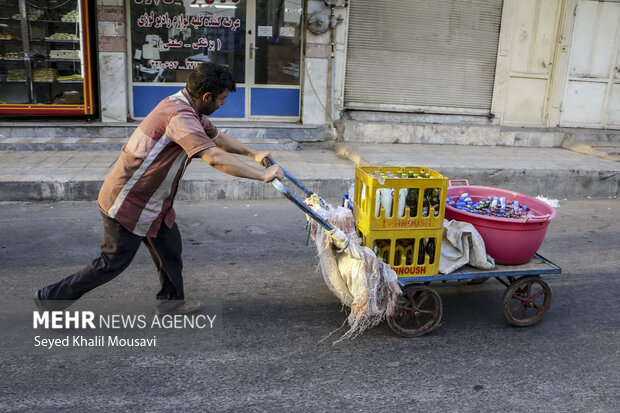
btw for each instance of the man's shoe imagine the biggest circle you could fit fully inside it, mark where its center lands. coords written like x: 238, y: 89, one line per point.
x: 43, y: 304
x: 38, y: 301
x: 172, y: 307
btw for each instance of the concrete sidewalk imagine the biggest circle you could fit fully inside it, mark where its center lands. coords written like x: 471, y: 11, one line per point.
x: 555, y: 172
x: 77, y: 175
x: 326, y: 169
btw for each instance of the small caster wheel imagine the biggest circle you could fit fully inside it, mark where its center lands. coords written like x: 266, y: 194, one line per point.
x: 418, y: 311
x: 526, y: 300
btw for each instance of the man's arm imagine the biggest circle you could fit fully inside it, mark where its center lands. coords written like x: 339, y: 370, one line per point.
x: 227, y: 163
x: 232, y: 145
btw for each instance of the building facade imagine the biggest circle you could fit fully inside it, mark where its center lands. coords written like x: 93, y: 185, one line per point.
x: 525, y: 63
x: 537, y: 63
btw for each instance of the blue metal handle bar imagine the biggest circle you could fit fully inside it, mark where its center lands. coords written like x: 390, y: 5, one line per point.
x: 295, y: 181
x: 309, y: 211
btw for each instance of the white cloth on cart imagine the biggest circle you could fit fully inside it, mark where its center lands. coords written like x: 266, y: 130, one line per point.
x: 462, y: 244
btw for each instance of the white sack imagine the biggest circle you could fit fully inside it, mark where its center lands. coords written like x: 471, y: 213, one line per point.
x: 352, y: 272
x: 461, y: 245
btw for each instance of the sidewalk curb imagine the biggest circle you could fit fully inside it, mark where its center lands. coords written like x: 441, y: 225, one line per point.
x: 320, y: 170
x: 189, y: 190
x: 115, y: 144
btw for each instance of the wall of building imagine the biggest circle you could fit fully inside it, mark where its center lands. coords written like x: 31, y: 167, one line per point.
x: 530, y: 82
x: 322, y: 85
x: 323, y: 77
x: 315, y: 69
x: 112, y: 59
x: 545, y: 46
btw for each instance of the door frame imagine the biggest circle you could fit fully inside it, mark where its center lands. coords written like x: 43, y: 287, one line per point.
x: 250, y: 68
x: 504, y: 71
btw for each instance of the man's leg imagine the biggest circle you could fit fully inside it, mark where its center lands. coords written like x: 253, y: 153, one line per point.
x: 118, y: 247
x: 166, y: 251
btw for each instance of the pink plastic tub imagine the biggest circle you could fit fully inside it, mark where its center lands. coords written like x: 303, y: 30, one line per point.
x: 509, y: 241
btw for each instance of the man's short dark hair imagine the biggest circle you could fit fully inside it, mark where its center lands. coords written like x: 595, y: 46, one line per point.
x: 210, y: 77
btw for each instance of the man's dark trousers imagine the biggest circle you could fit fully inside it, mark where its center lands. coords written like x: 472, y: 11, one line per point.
x: 118, y: 247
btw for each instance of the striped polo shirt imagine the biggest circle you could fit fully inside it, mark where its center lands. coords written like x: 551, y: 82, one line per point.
x: 140, y: 189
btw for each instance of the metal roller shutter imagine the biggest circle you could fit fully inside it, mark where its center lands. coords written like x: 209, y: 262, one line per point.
x: 404, y: 55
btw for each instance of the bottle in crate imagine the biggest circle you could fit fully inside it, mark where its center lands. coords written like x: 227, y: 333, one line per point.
x: 387, y: 200
x: 384, y: 197
x: 400, y: 251
x: 402, y: 196
x: 421, y: 251
x: 378, y: 192
x: 381, y: 249
x: 409, y: 253
x: 378, y: 202
x: 375, y: 247
x: 435, y: 200
x: 412, y: 196
x: 403, y: 252
x: 426, y: 202
x: 412, y: 201
x: 385, y: 252
x: 402, y: 201
x: 430, y: 250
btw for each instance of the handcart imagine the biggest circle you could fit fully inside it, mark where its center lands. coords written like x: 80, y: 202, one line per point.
x: 526, y: 299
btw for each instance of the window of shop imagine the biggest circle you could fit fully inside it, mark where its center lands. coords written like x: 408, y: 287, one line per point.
x: 258, y: 40
x: 45, y: 65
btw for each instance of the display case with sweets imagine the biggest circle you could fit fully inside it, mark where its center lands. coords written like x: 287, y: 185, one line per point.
x: 46, y: 58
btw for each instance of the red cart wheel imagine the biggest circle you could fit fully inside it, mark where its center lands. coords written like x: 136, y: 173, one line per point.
x: 526, y: 300
x: 418, y: 311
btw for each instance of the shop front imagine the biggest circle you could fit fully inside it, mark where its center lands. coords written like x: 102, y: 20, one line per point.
x: 258, y: 40
x: 422, y: 56
x: 45, y: 58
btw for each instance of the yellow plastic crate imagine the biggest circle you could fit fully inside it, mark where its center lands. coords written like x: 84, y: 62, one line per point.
x: 365, y: 202
x: 401, y: 249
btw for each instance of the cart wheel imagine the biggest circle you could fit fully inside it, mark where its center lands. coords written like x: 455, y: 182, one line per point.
x: 526, y: 300
x: 418, y: 311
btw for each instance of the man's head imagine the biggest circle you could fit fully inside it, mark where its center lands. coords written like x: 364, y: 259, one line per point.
x: 209, y: 85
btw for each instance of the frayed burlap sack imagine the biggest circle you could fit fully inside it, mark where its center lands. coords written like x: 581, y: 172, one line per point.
x: 353, y: 272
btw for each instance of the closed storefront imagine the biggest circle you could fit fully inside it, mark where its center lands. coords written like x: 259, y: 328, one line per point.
x: 433, y: 56
x: 592, y: 90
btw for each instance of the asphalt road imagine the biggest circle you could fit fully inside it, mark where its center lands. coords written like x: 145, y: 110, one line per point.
x: 251, y: 259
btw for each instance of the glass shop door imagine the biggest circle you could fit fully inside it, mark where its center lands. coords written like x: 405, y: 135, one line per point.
x: 273, y: 58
